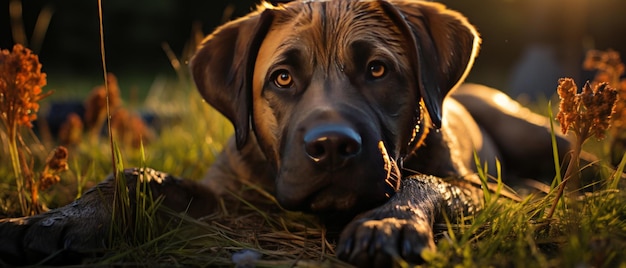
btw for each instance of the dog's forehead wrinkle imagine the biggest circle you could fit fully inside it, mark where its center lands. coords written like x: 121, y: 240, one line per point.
x: 328, y: 32
x: 372, y: 48
x: 290, y: 53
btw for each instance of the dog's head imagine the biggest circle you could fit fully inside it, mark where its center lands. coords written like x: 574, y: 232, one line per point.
x: 333, y: 90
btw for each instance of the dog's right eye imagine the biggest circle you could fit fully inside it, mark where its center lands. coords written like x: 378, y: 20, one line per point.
x: 376, y: 69
x: 282, y: 79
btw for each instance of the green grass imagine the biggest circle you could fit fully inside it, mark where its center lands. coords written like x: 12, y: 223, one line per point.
x: 586, y: 232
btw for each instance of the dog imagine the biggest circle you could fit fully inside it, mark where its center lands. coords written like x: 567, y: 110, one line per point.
x: 353, y: 110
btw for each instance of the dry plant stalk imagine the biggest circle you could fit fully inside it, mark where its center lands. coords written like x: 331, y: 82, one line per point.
x: 609, y: 69
x: 586, y: 114
x: 21, y: 82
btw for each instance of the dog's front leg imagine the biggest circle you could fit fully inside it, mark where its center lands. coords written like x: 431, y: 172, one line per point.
x: 67, y: 234
x: 403, y: 227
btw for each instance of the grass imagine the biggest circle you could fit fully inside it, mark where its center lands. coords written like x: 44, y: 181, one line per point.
x: 590, y: 231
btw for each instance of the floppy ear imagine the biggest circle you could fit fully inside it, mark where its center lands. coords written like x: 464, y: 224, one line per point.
x: 443, y: 46
x: 223, y: 67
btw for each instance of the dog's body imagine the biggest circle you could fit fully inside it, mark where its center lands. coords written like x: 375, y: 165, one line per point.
x: 339, y: 109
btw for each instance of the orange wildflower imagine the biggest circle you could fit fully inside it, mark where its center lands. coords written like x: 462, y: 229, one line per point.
x: 587, y: 113
x: 55, y: 164
x: 21, y: 82
x: 95, y: 105
x: 569, y: 103
x: 130, y: 128
x: 609, y: 68
x: 71, y: 131
x: 608, y: 64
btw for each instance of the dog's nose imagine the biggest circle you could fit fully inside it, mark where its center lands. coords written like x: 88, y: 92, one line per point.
x: 332, y: 146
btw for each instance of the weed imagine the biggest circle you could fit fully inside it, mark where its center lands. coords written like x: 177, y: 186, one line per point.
x: 21, y: 82
x: 586, y: 114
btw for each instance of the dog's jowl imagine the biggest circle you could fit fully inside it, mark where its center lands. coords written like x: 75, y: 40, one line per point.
x: 351, y: 110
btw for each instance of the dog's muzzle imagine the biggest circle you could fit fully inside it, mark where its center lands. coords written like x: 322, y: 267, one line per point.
x: 337, y: 166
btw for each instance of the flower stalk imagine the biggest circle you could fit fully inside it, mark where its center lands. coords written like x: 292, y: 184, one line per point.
x: 17, y: 169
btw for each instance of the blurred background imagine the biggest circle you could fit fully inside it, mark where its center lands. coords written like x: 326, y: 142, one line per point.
x: 527, y: 44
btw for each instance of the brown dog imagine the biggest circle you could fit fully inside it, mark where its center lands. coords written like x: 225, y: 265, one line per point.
x: 343, y: 108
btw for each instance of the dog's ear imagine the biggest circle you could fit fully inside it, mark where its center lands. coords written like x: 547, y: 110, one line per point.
x: 223, y: 67
x: 443, y: 46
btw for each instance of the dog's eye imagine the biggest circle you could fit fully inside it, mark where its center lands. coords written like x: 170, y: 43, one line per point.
x: 376, y: 69
x: 283, y: 79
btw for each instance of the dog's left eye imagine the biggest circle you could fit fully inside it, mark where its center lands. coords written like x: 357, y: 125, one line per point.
x: 282, y: 79
x: 376, y: 69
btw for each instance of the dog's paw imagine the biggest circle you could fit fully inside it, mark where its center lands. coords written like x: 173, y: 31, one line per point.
x: 67, y: 234
x: 382, y: 237
x: 60, y: 236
